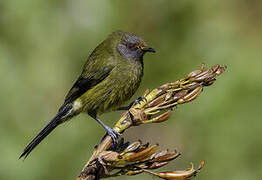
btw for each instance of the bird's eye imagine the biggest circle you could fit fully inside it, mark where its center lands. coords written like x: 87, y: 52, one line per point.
x: 131, y: 46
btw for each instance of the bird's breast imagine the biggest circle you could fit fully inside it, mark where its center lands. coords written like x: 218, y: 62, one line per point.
x: 114, y: 90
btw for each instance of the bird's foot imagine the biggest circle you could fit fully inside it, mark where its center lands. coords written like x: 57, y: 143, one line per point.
x: 113, y: 134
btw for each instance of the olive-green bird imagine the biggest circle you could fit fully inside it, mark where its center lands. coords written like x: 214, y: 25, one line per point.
x: 110, y: 76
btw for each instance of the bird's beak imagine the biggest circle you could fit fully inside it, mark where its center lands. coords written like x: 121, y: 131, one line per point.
x: 148, y: 49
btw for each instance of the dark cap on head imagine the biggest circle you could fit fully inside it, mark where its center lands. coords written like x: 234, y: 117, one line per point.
x: 131, y: 46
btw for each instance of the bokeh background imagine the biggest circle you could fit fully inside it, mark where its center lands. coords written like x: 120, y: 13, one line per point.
x: 44, y: 43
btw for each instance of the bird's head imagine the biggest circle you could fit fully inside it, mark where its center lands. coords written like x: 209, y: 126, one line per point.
x: 130, y: 46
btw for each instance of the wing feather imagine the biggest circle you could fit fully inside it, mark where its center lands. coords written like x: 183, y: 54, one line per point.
x: 83, y: 84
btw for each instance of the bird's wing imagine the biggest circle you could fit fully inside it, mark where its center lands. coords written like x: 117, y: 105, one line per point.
x: 84, y: 83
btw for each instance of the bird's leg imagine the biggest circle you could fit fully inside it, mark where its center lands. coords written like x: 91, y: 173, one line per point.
x: 137, y: 101
x: 111, y: 132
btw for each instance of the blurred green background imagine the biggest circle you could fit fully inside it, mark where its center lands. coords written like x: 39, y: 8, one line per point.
x: 44, y: 43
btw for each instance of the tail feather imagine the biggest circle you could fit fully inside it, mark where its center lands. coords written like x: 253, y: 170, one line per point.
x: 45, y: 131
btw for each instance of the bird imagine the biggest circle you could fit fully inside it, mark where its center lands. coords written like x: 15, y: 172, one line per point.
x: 110, y: 77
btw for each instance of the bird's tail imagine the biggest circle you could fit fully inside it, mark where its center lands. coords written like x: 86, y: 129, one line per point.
x: 58, y: 119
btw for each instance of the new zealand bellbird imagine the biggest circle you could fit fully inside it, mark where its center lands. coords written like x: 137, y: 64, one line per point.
x: 110, y: 76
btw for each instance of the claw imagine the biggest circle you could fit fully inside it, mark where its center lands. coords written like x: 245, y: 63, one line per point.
x: 138, y: 100
x: 113, y: 134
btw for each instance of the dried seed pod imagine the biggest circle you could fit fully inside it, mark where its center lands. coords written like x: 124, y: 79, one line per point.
x: 175, y: 84
x: 150, y: 112
x: 211, y: 77
x: 168, y: 95
x: 193, y: 73
x: 135, y: 172
x: 202, y: 77
x: 192, y: 85
x: 142, y: 166
x: 156, y: 165
x: 178, y: 175
x: 153, y: 156
x: 132, y: 147
x: 109, y: 156
x: 203, y: 67
x: 191, y: 96
x: 146, y: 93
x: 209, y: 82
x: 157, y: 101
x: 161, y: 118
x: 125, y: 155
x: 143, y: 147
x: 215, y: 67
x: 203, y: 73
x: 162, y: 153
x: 220, y: 70
x: 179, y: 94
x: 172, y: 85
x: 166, y: 157
x: 168, y: 106
x: 138, y: 116
x: 142, y: 155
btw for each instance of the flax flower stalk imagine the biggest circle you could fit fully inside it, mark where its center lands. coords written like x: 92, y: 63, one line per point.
x: 155, y: 107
